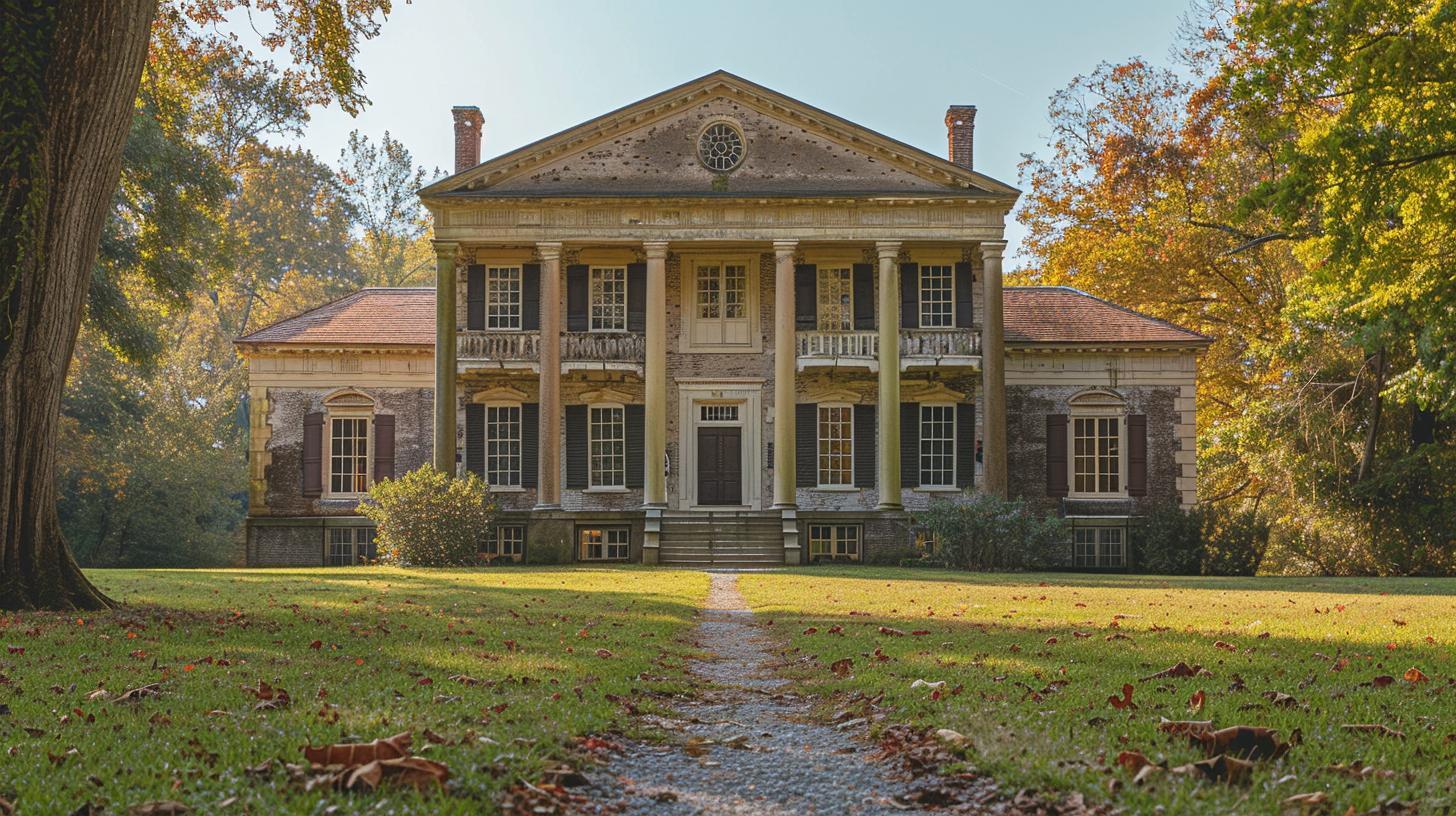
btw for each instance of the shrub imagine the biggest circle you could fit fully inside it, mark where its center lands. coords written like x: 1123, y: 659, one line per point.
x: 428, y: 518
x: 1234, y: 542
x: 988, y: 532
x: 1205, y: 540
x: 1170, y: 541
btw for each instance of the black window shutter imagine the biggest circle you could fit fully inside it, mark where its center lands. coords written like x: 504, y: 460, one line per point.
x: 635, y: 417
x: 965, y: 444
x: 531, y: 297
x: 864, y: 296
x: 909, y: 445
x: 865, y: 432
x: 637, y: 297
x: 576, y: 447
x: 909, y: 296
x: 530, y: 443
x: 963, y: 295
x: 1056, y: 454
x: 313, y: 454
x: 475, y: 439
x: 806, y: 297
x: 806, y: 444
x: 475, y: 297
x: 1137, y: 454
x: 576, y: 298
x: 383, y: 447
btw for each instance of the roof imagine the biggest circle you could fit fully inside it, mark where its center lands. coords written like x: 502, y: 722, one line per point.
x: 376, y: 316
x: 1034, y: 316
x: 1061, y: 315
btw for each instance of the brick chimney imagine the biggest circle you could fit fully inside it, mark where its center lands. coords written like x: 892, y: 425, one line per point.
x: 960, y: 128
x: 468, y: 122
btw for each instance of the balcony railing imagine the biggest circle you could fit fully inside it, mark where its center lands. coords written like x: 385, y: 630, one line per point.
x: 864, y: 344
x: 603, y: 347
x: 918, y: 348
x: 498, y: 346
x: 940, y: 343
x: 505, y: 348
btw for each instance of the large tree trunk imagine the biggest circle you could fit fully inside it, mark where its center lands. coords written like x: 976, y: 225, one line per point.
x: 1372, y: 433
x: 72, y: 70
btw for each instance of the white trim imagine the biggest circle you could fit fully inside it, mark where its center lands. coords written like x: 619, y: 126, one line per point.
x: 485, y: 446
x: 693, y: 392
x: 349, y: 412
x: 1097, y: 403
x: 591, y: 292
x: 920, y: 300
x: 920, y: 447
x: 591, y: 485
x: 688, y: 300
x: 819, y: 444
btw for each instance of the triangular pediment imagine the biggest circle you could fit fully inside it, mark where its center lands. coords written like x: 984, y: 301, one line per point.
x: 650, y: 149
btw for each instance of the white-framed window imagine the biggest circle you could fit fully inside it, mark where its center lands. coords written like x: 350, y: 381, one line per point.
x: 503, y: 445
x: 607, y: 445
x: 722, y: 291
x: 505, y: 541
x: 836, y: 298
x: 1099, y: 547
x: 834, y: 541
x: 937, y: 445
x: 604, y: 543
x: 608, y: 299
x: 836, y: 445
x: 1097, y: 454
x: 937, y: 296
x: 348, y: 455
x: 719, y: 312
x: 350, y: 546
x: 503, y: 297
x: 718, y: 413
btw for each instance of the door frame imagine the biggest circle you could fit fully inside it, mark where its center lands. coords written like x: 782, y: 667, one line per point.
x: 693, y: 393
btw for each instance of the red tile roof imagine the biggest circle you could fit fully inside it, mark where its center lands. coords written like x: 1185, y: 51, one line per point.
x: 373, y: 317
x: 1061, y: 315
x: 1034, y: 315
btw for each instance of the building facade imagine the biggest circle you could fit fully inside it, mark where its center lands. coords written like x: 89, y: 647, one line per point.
x: 719, y: 326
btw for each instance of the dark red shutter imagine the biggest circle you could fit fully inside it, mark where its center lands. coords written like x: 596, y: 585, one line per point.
x: 909, y: 296
x: 963, y: 295
x: 1056, y: 454
x: 530, y: 297
x: 313, y: 454
x: 865, y: 431
x: 1137, y: 454
x: 965, y: 454
x: 806, y: 297
x: 577, y: 297
x: 806, y: 444
x: 909, y: 446
x: 383, y: 447
x: 864, y: 297
x: 637, y: 297
x: 530, y: 448
x: 475, y: 297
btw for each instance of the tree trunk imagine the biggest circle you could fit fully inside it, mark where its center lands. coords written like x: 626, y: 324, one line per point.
x: 1367, y: 460
x: 72, y: 71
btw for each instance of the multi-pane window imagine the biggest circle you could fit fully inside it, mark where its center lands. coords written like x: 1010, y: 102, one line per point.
x: 836, y: 299
x: 505, y: 541
x: 349, y: 546
x: 609, y: 298
x: 1098, y: 547
x: 836, y: 445
x: 604, y: 543
x: 735, y: 291
x: 722, y: 291
x: 349, y: 455
x: 937, y: 306
x: 719, y: 413
x: 503, y: 297
x: 834, y: 541
x: 503, y: 445
x: 607, y: 440
x: 937, y: 445
x: 1096, y: 455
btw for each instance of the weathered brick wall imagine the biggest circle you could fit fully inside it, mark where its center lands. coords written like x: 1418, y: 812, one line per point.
x: 285, y: 546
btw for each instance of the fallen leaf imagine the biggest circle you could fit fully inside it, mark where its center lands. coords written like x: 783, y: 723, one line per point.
x: 1375, y: 728
x: 1306, y: 804
x: 1382, y: 681
x: 886, y: 630
x: 358, y: 753
x: 1180, y: 669
x: 1280, y: 699
x: 842, y: 667
x: 1244, y: 741
x: 1184, y: 727
x: 1195, y: 703
x: 1133, y: 761
x: 1126, y: 701
x: 158, y: 808
x: 133, y: 695
x: 1415, y: 675
x: 1221, y: 768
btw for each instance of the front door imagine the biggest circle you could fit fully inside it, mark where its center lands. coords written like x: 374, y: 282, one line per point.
x: 720, y: 465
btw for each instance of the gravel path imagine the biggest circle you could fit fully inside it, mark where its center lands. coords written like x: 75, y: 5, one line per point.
x: 744, y: 745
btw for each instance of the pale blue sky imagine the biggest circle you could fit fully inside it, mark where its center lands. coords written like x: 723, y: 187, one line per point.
x: 537, y: 67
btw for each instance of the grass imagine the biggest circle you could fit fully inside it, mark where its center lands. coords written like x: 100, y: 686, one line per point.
x: 992, y: 637
x: 363, y: 653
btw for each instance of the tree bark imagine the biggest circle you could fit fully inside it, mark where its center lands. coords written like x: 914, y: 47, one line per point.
x: 1367, y: 460
x: 73, y: 68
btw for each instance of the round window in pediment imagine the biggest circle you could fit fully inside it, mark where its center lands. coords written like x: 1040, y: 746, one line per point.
x: 720, y: 147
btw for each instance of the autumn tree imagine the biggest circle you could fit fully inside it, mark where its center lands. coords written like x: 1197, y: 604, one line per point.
x: 72, y: 74
x: 381, y: 182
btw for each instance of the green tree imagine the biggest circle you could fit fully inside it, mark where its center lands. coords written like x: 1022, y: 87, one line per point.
x: 380, y: 183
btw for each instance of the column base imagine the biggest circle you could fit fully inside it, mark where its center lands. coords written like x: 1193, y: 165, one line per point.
x: 777, y: 506
x: 541, y: 507
x: 896, y: 508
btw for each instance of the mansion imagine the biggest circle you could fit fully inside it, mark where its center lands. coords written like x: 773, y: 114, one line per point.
x: 718, y: 327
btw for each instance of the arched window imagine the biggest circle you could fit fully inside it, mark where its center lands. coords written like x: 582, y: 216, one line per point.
x: 1098, y: 461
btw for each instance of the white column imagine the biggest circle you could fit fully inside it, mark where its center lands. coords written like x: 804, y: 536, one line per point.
x: 888, y: 411
x: 655, y: 488
x: 548, y: 474
x: 993, y: 372
x: 784, y: 365
x: 445, y: 321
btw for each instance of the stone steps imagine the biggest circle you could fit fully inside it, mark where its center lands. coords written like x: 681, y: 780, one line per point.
x: 722, y: 539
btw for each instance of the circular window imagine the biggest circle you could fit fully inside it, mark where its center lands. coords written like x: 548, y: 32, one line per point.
x: 720, y: 147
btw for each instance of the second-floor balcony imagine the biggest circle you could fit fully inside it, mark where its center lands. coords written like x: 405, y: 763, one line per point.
x: 919, y: 349
x: 580, y: 351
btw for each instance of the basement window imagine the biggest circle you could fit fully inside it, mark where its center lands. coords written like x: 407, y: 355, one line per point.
x: 507, y: 541
x: 835, y: 541
x: 604, y: 543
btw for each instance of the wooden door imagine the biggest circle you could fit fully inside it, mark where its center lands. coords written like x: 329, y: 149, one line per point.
x: 720, y: 466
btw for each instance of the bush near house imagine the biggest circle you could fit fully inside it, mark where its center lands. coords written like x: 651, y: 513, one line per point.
x: 428, y: 518
x: 1203, y: 540
x: 988, y: 532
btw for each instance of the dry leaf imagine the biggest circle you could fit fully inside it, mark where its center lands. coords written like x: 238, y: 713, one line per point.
x: 1415, y: 675
x: 1180, y: 669
x: 133, y: 695
x: 1195, y: 703
x: 1375, y: 728
x: 1245, y: 741
x: 1185, y: 727
x: 1280, y: 699
x: 358, y: 753
x: 1221, y: 768
x: 1126, y: 701
x: 1306, y: 804
x: 842, y: 667
x: 158, y: 808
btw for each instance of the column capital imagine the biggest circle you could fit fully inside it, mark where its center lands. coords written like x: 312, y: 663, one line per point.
x: 782, y: 248
x: 887, y: 249
x: 549, y: 250
x: 446, y: 249
x: 655, y: 249
x: 992, y: 249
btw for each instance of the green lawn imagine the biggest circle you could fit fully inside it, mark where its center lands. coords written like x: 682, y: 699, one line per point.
x: 1003, y: 644
x: 362, y: 653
